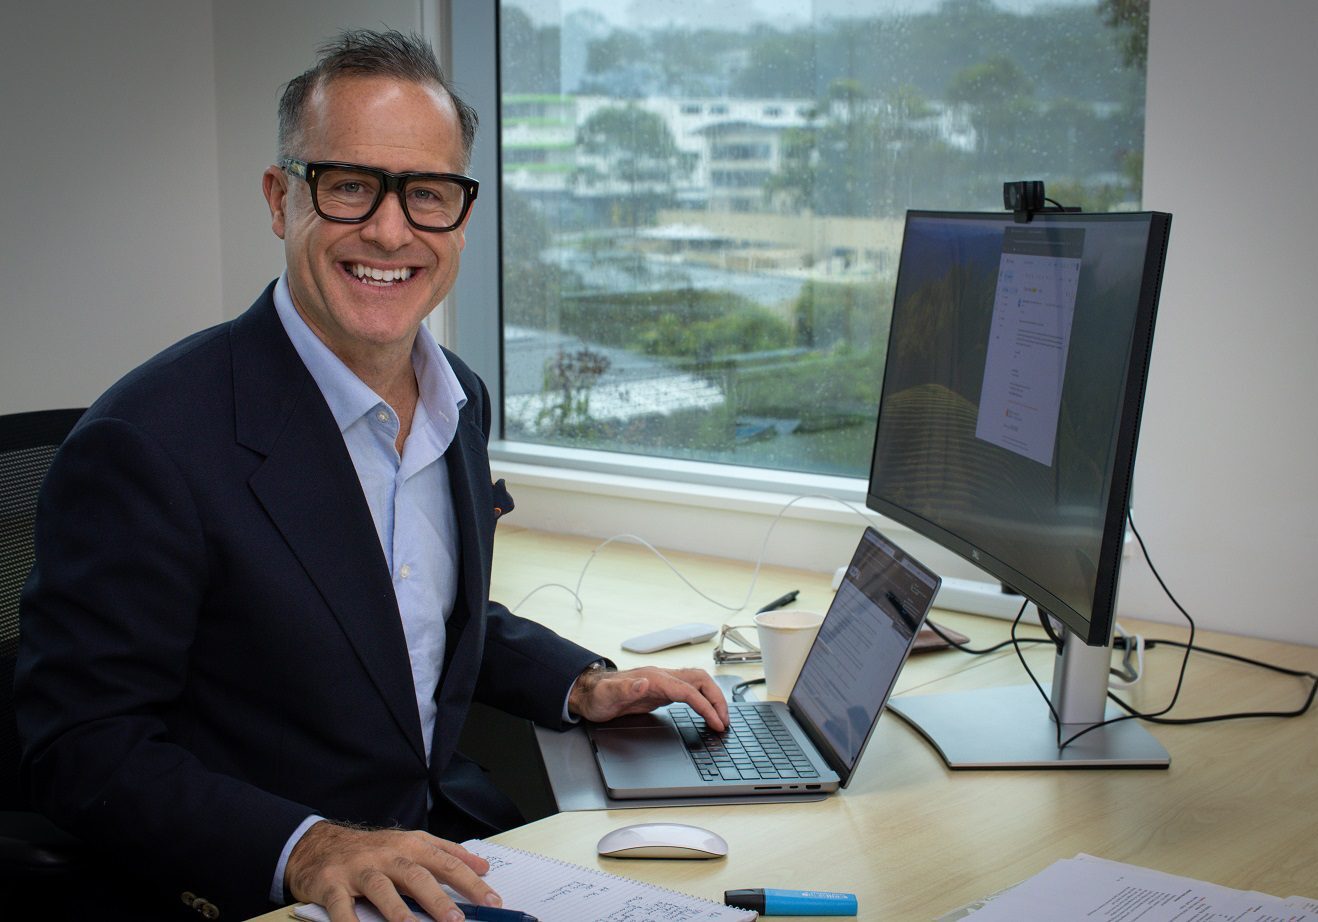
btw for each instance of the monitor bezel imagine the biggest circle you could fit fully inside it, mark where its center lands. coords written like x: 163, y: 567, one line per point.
x: 1096, y: 627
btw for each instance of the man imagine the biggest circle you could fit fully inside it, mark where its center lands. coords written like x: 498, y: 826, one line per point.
x: 259, y: 611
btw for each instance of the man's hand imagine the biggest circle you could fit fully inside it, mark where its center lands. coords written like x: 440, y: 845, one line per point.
x: 332, y: 864
x: 599, y: 695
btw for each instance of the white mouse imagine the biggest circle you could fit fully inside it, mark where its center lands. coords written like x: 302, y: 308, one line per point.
x: 662, y: 840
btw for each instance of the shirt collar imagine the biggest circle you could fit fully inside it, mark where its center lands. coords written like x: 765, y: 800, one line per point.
x: 348, y: 396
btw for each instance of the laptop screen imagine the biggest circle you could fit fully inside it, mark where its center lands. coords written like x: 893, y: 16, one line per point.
x: 862, y: 644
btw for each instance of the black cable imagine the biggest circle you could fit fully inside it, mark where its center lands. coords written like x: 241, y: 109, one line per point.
x: 1015, y: 643
x: 1131, y: 713
x: 1283, y: 670
x: 1020, y: 655
x: 740, y: 688
x: 966, y: 648
x: 1047, y: 624
x: 1189, y: 646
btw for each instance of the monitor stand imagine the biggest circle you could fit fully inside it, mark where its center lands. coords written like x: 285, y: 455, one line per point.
x: 1012, y: 727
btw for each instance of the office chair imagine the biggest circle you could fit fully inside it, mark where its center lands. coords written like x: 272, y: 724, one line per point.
x: 32, y: 849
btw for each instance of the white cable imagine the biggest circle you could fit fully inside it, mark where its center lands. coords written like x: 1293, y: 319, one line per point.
x: 575, y: 599
x: 755, y: 575
x: 1134, y: 642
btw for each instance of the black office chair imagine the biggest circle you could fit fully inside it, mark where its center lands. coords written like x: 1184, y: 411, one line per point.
x: 33, y: 851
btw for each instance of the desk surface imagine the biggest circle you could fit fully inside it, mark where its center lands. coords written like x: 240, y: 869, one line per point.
x: 911, y: 838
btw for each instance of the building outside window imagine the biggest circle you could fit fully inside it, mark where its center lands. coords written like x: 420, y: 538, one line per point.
x: 703, y: 203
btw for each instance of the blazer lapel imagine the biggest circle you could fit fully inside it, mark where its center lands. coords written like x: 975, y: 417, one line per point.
x: 310, y: 490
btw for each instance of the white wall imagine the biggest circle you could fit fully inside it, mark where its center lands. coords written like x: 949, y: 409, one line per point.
x: 1225, y: 490
x: 138, y: 131
x: 108, y: 229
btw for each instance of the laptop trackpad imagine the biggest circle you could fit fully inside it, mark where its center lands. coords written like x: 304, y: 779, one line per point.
x: 642, y: 745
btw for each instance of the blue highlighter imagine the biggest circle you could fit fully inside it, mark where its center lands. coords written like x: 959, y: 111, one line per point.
x: 792, y: 902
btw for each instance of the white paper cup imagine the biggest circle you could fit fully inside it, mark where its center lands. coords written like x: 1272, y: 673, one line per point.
x: 785, y: 638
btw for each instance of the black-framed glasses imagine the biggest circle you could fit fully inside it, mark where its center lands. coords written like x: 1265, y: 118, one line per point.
x: 349, y: 193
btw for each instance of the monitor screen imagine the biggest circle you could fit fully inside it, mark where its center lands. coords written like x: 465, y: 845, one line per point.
x: 1012, y: 394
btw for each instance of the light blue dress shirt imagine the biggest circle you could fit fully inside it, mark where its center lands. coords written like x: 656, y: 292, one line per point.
x: 408, y: 496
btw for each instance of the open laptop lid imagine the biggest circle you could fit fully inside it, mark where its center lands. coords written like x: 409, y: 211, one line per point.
x: 865, y: 638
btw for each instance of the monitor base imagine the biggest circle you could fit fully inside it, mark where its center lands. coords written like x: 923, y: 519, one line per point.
x: 1010, y: 727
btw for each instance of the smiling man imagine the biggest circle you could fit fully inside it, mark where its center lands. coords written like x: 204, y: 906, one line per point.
x: 259, y: 612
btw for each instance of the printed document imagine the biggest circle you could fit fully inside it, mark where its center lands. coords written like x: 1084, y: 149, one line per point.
x: 1085, y: 887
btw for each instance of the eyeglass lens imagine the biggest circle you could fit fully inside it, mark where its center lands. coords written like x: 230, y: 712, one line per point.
x: 430, y: 201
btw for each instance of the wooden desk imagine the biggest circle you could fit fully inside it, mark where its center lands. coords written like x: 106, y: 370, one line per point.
x: 911, y: 838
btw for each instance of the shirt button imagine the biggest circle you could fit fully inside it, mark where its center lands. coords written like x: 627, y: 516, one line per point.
x: 382, y: 416
x: 405, y: 570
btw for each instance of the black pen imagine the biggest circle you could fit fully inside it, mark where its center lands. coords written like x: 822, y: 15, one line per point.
x: 492, y: 914
x: 481, y: 913
x: 784, y: 599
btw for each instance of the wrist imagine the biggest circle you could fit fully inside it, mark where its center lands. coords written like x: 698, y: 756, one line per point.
x: 585, y: 685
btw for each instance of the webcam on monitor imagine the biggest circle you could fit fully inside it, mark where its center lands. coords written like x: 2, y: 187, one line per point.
x: 1026, y: 197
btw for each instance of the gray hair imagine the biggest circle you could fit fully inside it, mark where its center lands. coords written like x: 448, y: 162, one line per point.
x: 363, y: 53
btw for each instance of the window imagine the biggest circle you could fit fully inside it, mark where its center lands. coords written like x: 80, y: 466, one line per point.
x: 700, y: 218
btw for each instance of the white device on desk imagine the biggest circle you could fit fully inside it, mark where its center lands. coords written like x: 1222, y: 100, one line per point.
x: 662, y: 840
x: 655, y: 641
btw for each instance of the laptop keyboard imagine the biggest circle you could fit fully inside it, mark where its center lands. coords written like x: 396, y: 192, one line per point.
x: 755, y: 747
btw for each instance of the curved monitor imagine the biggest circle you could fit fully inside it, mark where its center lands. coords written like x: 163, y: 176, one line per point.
x: 1012, y: 393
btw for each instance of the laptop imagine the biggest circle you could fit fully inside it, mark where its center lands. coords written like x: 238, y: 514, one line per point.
x: 814, y: 740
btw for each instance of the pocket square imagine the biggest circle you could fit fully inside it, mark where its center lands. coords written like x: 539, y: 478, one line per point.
x: 503, y: 500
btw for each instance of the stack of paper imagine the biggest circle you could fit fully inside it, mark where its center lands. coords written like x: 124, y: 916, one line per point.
x: 1085, y: 887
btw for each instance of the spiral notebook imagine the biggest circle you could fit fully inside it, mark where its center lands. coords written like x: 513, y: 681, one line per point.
x: 556, y: 891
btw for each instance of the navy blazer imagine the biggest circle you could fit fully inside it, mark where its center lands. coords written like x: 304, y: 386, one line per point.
x: 211, y: 646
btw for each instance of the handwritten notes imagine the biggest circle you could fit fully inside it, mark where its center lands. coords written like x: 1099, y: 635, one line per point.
x: 555, y: 891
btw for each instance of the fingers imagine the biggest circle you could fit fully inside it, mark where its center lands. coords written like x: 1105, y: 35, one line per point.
x: 452, y: 864
x: 333, y: 865
x: 473, y: 861
x: 698, y: 690
x: 714, y: 695
x: 636, y: 691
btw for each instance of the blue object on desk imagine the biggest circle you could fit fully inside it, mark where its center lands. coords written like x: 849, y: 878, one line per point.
x: 792, y: 902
